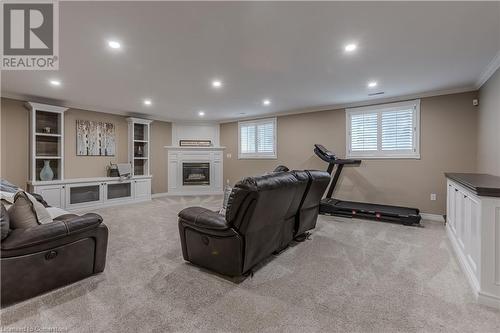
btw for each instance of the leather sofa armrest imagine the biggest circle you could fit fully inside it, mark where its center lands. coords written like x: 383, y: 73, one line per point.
x: 21, y: 238
x: 203, y: 218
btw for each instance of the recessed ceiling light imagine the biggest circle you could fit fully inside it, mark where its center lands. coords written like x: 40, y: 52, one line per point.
x: 55, y: 83
x: 217, y: 83
x: 114, y: 44
x: 351, y: 47
x: 201, y: 113
x: 372, y: 84
x: 266, y: 102
x: 148, y: 102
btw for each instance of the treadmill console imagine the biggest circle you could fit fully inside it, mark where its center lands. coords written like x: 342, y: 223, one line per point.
x: 320, y: 149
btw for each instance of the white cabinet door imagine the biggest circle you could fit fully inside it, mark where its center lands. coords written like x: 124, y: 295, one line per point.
x: 80, y: 195
x: 53, y: 195
x: 142, y: 189
x: 473, y: 241
x: 460, y: 217
x: 450, y: 206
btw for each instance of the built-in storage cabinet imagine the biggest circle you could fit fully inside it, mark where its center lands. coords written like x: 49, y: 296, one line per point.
x: 46, y: 142
x: 139, y: 145
x: 473, y: 227
x: 73, y: 194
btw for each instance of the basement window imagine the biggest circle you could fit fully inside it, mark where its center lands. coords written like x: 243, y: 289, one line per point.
x: 384, y: 131
x: 257, y: 139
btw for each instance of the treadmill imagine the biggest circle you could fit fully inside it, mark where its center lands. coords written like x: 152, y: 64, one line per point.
x: 332, y: 206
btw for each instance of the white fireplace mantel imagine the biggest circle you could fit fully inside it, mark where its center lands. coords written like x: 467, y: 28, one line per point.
x: 178, y: 155
x: 194, y: 148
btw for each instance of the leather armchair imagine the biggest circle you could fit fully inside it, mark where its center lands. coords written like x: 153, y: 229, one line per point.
x: 261, y: 219
x: 48, y: 256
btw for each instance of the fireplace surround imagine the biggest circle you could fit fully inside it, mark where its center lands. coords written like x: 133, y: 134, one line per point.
x: 195, y: 170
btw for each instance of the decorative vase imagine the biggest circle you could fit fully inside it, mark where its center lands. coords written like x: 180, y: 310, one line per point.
x: 139, y: 151
x: 46, y: 173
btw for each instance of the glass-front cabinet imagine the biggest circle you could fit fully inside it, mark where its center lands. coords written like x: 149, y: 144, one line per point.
x: 139, y: 145
x: 46, y: 142
x: 119, y: 191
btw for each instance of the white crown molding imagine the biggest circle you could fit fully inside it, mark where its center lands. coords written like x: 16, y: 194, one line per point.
x: 357, y: 104
x: 489, y: 71
x: 49, y: 101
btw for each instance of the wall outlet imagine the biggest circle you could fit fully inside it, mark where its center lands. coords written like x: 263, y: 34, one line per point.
x: 433, y: 197
x: 228, y: 155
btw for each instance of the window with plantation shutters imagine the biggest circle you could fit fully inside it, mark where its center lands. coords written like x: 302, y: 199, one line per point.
x: 257, y: 138
x: 384, y: 131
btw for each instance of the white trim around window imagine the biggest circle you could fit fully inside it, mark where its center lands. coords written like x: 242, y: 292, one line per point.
x: 257, y: 139
x: 384, y: 131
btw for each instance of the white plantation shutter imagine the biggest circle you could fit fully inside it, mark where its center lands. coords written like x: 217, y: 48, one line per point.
x: 384, y: 131
x: 247, y: 139
x: 397, y: 130
x: 257, y: 139
x: 364, y: 132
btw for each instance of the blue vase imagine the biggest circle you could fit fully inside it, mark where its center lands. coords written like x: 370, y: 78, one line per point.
x: 46, y: 173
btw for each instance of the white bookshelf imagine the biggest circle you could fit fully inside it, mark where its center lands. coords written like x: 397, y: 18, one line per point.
x: 139, y: 133
x: 46, y: 139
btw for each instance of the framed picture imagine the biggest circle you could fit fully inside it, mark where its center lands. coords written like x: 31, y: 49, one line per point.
x: 195, y: 143
x: 95, y: 138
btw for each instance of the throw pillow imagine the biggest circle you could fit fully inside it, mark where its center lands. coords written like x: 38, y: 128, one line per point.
x: 4, y: 222
x: 227, y: 192
x: 42, y: 214
x: 22, y: 214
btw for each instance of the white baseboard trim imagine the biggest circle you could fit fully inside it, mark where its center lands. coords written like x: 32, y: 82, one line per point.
x: 432, y: 217
x: 159, y: 195
x: 488, y: 299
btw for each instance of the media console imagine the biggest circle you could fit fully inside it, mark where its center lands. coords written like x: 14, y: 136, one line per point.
x: 80, y: 193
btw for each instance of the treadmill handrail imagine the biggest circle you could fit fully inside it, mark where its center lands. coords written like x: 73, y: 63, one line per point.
x: 329, y: 157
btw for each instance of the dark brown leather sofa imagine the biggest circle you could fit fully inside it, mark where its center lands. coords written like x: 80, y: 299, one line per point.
x: 48, y: 256
x: 263, y: 216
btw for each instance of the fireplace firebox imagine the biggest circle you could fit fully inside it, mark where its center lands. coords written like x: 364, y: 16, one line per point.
x: 196, y: 173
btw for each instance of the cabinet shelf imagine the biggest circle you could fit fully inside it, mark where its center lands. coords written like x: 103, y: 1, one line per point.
x: 49, y: 134
x: 48, y: 157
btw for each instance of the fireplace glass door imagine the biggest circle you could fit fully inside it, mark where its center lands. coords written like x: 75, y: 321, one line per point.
x: 195, y: 173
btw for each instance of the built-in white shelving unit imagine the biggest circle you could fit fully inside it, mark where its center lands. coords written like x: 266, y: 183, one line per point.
x: 46, y: 140
x: 139, y: 133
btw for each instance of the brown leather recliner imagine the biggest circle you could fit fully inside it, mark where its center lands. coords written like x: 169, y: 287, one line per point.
x: 261, y: 218
x: 48, y: 256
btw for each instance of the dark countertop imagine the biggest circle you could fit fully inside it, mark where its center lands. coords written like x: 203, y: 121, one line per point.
x: 479, y: 183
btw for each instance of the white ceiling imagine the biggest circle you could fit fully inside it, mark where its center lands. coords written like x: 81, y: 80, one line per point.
x: 290, y: 52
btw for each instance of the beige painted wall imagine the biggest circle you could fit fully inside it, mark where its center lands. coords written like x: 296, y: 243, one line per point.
x: 161, y: 136
x: 448, y: 143
x: 92, y: 166
x: 15, y: 147
x: 15, y: 141
x: 488, y: 148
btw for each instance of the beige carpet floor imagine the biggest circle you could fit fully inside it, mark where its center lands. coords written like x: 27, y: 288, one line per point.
x: 351, y: 276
